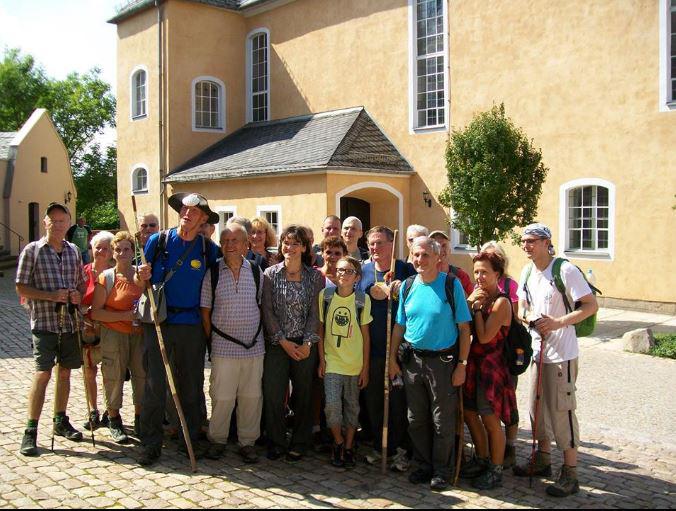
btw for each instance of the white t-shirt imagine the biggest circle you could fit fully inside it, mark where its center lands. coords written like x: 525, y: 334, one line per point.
x: 560, y: 345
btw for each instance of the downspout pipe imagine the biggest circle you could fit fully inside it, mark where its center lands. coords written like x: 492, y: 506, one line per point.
x: 160, y: 115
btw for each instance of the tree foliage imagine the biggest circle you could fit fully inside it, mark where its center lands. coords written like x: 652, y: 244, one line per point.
x: 81, y: 107
x: 495, y: 177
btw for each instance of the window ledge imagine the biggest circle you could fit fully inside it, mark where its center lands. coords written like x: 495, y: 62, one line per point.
x: 139, y: 117
x: 208, y: 130
x: 671, y: 105
x: 463, y: 249
x: 430, y: 129
x: 139, y: 192
x: 598, y: 256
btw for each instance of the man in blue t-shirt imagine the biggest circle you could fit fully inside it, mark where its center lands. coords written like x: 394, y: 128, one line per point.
x: 434, y: 356
x: 187, y: 254
x: 380, y: 241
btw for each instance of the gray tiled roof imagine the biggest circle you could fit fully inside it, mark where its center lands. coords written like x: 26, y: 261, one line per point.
x: 343, y: 139
x: 135, y: 6
x: 6, y: 138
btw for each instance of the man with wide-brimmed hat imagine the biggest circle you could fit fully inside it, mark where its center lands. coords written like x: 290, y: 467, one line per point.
x: 183, y: 255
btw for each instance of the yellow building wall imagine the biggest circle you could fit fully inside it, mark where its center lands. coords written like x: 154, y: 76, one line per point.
x: 32, y: 185
x: 3, y: 240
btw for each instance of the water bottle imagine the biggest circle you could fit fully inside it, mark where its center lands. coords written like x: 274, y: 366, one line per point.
x: 591, y: 278
x: 519, y: 357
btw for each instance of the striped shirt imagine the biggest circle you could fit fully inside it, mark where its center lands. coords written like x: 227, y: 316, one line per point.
x: 42, y: 267
x: 235, y: 311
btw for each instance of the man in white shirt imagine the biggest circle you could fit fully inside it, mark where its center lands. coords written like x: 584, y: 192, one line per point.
x: 542, y: 308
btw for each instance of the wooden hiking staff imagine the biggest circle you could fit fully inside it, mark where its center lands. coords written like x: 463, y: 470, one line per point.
x: 163, y: 351
x: 61, y: 307
x: 386, y: 383
x: 78, y: 329
x: 460, y: 436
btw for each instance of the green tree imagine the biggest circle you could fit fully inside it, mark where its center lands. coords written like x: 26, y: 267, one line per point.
x: 96, y: 182
x: 495, y: 177
x: 23, y: 86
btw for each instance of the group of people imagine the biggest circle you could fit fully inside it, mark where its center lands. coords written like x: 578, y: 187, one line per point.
x: 296, y: 334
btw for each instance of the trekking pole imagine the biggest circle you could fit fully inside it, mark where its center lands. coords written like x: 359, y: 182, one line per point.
x: 61, y: 310
x: 538, y: 398
x: 78, y: 328
x: 459, y: 436
x: 388, y: 329
x: 163, y: 351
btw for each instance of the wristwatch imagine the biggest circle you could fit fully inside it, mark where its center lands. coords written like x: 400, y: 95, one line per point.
x: 309, y: 344
x: 462, y: 362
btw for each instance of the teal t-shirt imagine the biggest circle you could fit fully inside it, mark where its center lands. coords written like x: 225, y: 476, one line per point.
x: 426, y: 314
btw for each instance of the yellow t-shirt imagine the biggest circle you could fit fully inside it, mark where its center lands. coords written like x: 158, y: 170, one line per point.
x: 343, y: 342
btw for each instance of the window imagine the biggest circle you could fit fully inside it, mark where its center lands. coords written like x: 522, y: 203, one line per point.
x: 429, y: 63
x: 138, y: 94
x: 43, y: 164
x: 225, y: 213
x: 587, y: 216
x: 208, y: 105
x: 258, y: 73
x: 672, y: 50
x: 273, y: 214
x: 667, y: 37
x: 139, y: 180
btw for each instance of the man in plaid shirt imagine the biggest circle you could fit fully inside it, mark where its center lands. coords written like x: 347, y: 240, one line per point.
x: 50, y: 275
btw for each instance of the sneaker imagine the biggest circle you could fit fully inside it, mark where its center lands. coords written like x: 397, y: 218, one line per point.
x: 248, y: 454
x: 29, y: 442
x: 439, y: 483
x: 373, y: 458
x: 541, y: 467
x: 149, y: 455
x: 567, y: 483
x: 293, y: 457
x: 63, y: 427
x: 137, y: 426
x: 490, y: 478
x: 93, y: 422
x: 215, y: 452
x: 474, y: 468
x: 117, y: 430
x: 348, y: 458
x: 400, y: 461
x: 419, y: 476
x: 510, y: 457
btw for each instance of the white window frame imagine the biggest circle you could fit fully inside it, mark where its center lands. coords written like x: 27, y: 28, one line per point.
x: 455, y: 235
x: 221, y: 218
x: 563, y: 241
x: 413, y: 73
x: 221, y: 104
x: 248, y: 63
x: 667, y: 102
x: 132, y: 93
x: 134, y: 172
x: 275, y: 208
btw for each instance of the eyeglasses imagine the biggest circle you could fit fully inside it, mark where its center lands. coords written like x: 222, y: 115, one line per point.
x: 145, y: 226
x: 346, y: 271
x: 529, y: 241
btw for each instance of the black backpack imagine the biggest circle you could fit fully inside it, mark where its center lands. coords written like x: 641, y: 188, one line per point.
x: 517, y: 348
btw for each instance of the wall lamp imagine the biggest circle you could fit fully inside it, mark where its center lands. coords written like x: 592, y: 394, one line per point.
x: 67, y: 197
x: 427, y: 198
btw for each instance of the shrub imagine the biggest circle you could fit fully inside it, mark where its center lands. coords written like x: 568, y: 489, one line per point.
x: 665, y: 346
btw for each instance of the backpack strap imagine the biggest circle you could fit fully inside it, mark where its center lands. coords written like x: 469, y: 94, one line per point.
x: 256, y: 270
x: 109, y: 276
x: 328, y: 296
x: 214, y: 273
x: 360, y: 303
x: 529, y: 300
x: 408, y: 283
x: 453, y: 270
x: 558, y: 282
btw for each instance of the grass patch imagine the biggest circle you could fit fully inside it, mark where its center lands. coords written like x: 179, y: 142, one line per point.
x: 665, y: 346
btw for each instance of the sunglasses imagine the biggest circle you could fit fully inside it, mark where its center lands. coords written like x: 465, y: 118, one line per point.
x: 145, y: 226
x: 346, y: 271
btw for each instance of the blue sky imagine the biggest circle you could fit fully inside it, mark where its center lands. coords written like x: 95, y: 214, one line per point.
x: 63, y: 35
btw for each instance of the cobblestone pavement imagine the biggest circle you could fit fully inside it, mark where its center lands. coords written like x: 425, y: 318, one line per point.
x: 627, y: 460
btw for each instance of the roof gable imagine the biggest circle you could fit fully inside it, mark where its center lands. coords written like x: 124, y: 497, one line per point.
x: 6, y: 138
x: 347, y: 139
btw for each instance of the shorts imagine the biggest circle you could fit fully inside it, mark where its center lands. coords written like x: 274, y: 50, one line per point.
x: 342, y: 400
x: 46, y: 345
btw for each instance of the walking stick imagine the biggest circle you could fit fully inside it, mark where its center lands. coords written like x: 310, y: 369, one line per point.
x: 386, y: 383
x: 538, y: 398
x: 163, y: 351
x: 61, y: 309
x: 460, y: 437
x: 78, y: 328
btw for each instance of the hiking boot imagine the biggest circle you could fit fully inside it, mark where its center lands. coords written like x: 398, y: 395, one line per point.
x: 400, y: 461
x: 274, y: 453
x: 337, y: 455
x: 105, y: 420
x: 474, y: 468
x: 137, y: 426
x: 215, y: 452
x: 567, y: 483
x: 29, y: 442
x: 348, y: 458
x: 373, y: 458
x: 541, y: 467
x: 490, y: 478
x: 419, y: 476
x: 117, y: 430
x: 199, y: 449
x: 149, y: 455
x: 93, y: 422
x: 439, y: 483
x: 510, y: 457
x: 63, y: 427
x: 248, y: 454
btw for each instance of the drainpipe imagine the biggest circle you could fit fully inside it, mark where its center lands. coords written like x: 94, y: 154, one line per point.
x: 160, y: 104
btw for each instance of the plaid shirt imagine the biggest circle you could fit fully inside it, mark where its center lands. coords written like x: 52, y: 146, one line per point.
x: 41, y: 267
x: 487, y: 369
x: 235, y: 311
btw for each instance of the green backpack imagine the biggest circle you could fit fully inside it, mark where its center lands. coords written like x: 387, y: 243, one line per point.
x: 585, y: 327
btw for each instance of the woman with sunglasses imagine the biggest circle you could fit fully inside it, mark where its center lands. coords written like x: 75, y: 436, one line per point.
x: 290, y: 319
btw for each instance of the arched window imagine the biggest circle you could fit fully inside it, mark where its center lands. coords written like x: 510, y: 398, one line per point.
x: 139, y: 106
x: 139, y: 180
x: 208, y: 104
x: 587, y: 217
x: 258, y: 75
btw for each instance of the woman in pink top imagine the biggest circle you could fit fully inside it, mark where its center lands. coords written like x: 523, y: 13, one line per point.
x: 121, y: 336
